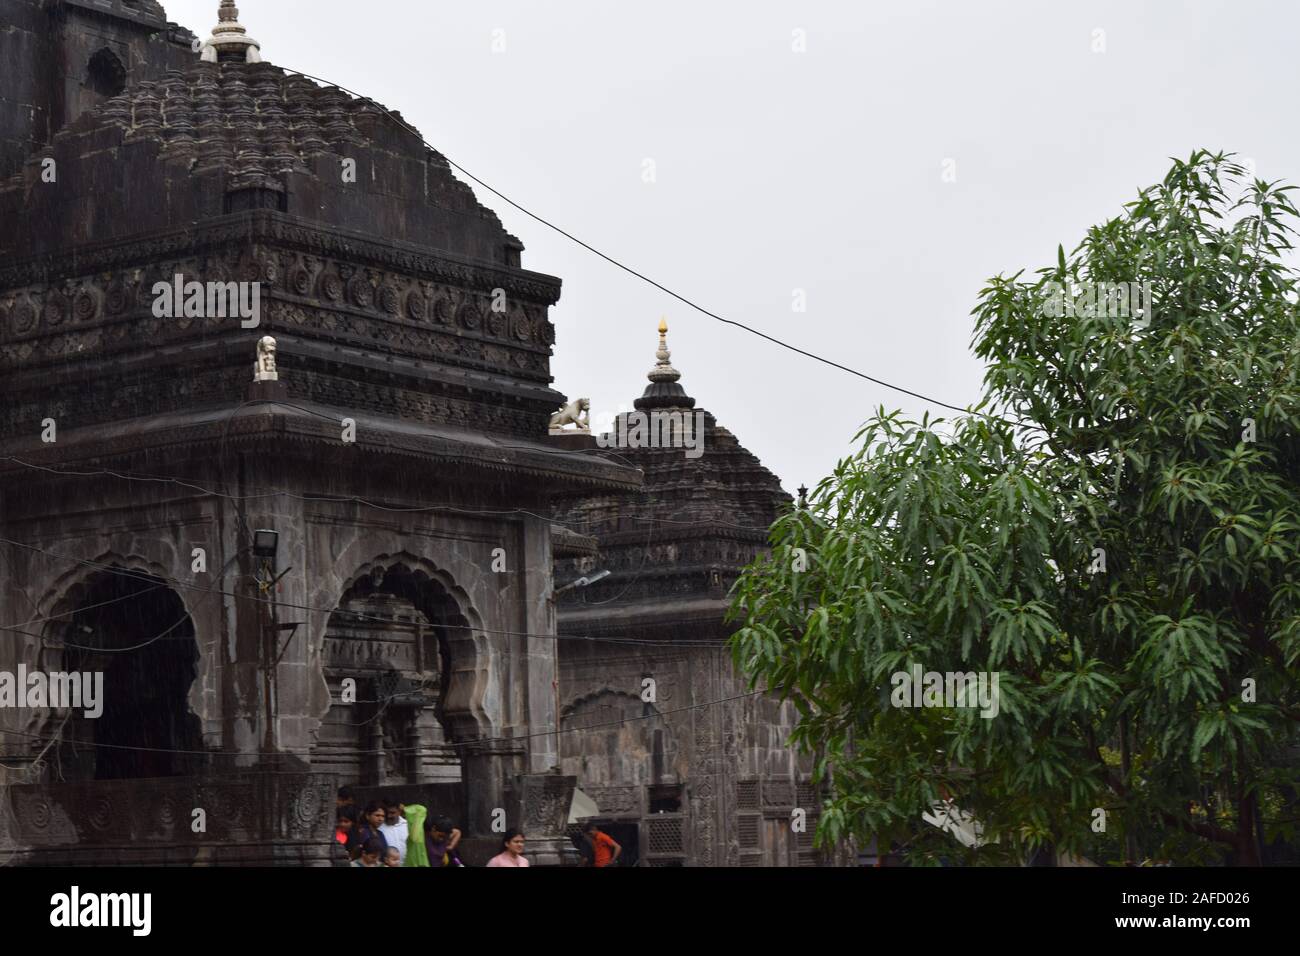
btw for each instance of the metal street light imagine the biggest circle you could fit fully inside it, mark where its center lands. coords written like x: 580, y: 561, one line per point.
x: 583, y: 582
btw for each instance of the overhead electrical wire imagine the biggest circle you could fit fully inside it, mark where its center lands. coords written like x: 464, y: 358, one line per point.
x: 153, y: 580
x: 354, y: 499
x: 628, y: 269
x: 416, y: 748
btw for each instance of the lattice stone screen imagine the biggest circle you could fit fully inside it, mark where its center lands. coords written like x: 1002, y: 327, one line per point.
x: 665, y: 837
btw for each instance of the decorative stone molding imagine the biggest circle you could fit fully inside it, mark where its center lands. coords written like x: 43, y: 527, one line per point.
x: 617, y: 801
x: 262, y: 226
x: 154, y: 817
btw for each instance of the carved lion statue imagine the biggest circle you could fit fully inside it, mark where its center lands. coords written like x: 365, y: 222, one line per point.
x: 577, y: 412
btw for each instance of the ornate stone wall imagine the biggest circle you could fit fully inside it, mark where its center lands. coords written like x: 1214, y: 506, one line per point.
x: 240, y: 820
x: 500, y: 680
x: 359, y: 335
x: 720, y: 755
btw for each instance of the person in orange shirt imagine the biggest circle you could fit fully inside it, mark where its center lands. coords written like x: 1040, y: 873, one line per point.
x: 606, y: 849
x: 347, y: 821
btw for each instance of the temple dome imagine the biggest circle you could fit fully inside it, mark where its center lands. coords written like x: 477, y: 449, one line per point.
x: 226, y: 136
x: 254, y: 119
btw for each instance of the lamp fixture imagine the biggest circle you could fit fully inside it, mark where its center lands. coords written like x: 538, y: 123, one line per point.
x: 583, y: 581
x: 265, y: 543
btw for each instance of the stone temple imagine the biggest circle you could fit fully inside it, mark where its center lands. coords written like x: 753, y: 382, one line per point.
x: 699, y: 784
x: 326, y: 539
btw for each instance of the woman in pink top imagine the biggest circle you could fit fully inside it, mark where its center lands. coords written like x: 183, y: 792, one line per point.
x: 512, y: 853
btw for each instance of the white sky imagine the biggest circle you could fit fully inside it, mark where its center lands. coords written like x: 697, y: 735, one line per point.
x: 819, y: 171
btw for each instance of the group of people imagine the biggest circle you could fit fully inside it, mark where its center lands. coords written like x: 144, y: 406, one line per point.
x: 388, y: 832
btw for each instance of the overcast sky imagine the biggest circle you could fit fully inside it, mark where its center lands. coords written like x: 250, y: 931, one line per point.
x: 777, y: 170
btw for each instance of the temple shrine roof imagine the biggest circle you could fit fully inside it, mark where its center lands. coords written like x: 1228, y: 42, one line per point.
x: 683, y: 538
x: 230, y: 133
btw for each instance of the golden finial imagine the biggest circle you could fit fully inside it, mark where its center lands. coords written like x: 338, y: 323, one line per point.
x: 663, y: 371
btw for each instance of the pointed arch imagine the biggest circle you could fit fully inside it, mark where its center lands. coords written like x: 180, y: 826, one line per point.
x: 125, y: 624
x: 105, y: 73
x: 435, y: 593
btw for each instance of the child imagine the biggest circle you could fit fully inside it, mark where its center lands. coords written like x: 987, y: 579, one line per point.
x: 346, y: 821
x: 371, y: 850
x: 392, y: 857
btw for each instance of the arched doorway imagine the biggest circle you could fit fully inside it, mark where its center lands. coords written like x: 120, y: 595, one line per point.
x: 105, y: 74
x: 625, y: 756
x: 613, y: 737
x: 132, y: 628
x: 395, y: 658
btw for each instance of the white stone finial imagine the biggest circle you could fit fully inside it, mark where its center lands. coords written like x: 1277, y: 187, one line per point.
x: 229, y: 40
x: 264, y: 368
x: 663, y: 370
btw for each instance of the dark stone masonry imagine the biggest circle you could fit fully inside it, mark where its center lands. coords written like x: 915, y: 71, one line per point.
x: 402, y: 632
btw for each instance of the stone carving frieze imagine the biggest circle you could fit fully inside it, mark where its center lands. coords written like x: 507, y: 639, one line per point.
x: 778, y: 794
x: 126, y: 812
x: 47, y: 321
x: 369, y: 654
x: 617, y: 800
x: 94, y: 404
x: 704, y: 792
x: 268, y: 228
x: 546, y: 801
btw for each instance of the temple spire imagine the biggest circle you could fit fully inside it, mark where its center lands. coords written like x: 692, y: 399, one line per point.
x: 663, y: 370
x: 664, y: 390
x: 230, y: 42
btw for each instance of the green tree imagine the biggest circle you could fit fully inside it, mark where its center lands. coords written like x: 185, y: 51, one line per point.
x: 1114, y: 532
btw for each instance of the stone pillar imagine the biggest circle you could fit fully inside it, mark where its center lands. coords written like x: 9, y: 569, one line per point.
x: 540, y: 802
x: 540, y: 647
x: 487, y: 767
x: 375, y: 764
x: 417, y: 742
x: 255, y: 627
x: 243, y: 674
